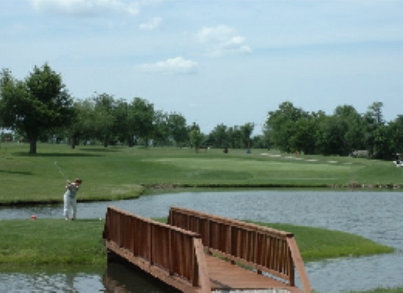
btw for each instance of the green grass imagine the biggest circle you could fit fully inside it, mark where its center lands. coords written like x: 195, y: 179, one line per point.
x: 318, y: 244
x: 58, y: 242
x: 115, y: 173
x: 51, y: 242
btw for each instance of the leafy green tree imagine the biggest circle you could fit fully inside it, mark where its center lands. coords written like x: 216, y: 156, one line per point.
x: 266, y: 136
x: 218, y: 137
x: 234, y: 137
x: 161, y: 129
x: 133, y: 120
x: 177, y: 128
x: 383, y: 148
x: 36, y: 105
x: 246, y: 133
x: 259, y: 141
x: 395, y: 135
x: 304, y: 139
x: 281, y: 126
x: 142, y: 119
x: 82, y: 127
x: 330, y: 136
x: 103, y: 119
x: 375, y: 110
x: 373, y: 119
x: 121, y: 126
x: 339, y: 134
x: 354, y: 136
x: 195, y: 136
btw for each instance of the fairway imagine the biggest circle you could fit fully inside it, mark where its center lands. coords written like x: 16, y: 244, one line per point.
x: 263, y: 171
x: 115, y: 173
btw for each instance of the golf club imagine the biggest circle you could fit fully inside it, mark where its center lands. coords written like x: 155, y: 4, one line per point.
x: 60, y: 170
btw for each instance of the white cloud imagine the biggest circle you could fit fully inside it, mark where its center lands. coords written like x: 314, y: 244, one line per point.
x: 177, y: 65
x: 221, y: 40
x: 151, y: 24
x: 85, y: 7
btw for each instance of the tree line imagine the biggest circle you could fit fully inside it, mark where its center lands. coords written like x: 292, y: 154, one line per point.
x: 40, y: 108
x: 344, y: 132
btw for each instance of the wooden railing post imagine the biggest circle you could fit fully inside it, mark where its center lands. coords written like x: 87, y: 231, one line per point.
x: 299, y: 264
x: 170, y: 253
x: 203, y: 277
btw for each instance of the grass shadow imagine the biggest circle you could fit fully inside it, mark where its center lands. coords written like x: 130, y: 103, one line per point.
x: 15, y: 172
x: 23, y: 154
x: 100, y: 150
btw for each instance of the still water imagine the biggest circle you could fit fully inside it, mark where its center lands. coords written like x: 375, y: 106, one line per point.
x: 374, y: 215
x: 116, y: 277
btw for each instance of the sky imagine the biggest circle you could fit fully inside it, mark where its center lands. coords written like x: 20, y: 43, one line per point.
x: 214, y: 61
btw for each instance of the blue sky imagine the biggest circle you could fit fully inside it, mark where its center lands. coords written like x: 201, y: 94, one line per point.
x: 222, y: 61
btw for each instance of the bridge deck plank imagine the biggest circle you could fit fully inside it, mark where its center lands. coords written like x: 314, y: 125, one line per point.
x: 226, y: 276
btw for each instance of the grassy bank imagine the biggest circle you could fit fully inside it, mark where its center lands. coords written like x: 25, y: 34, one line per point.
x: 121, y: 172
x: 56, y: 242
x: 318, y: 244
x: 51, y: 242
x: 43, y: 243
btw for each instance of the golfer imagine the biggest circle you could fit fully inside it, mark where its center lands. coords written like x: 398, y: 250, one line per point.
x: 70, y: 201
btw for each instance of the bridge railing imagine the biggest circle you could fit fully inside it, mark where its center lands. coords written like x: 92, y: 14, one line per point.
x: 261, y: 248
x: 172, y: 249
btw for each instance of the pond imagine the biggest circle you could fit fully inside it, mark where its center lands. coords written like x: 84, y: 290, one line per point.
x: 376, y: 215
x: 116, y: 277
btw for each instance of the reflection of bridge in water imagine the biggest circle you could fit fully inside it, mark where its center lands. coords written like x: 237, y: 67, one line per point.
x: 123, y: 277
x: 198, y: 252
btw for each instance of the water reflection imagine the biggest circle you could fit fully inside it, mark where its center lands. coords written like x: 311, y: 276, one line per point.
x: 125, y: 278
x: 117, y: 277
x: 374, y: 215
x: 52, y: 280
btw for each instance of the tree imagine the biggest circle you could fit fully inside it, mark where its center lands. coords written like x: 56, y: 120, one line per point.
x: 381, y: 142
x: 341, y: 133
x: 195, y: 136
x: 330, y: 137
x: 161, y: 131
x: 395, y: 135
x: 142, y: 119
x: 121, y: 127
x: 234, y: 137
x: 103, y: 117
x: 373, y: 119
x: 259, y: 142
x: 246, y: 132
x: 267, y: 136
x: 177, y: 128
x: 218, y: 137
x: 281, y: 125
x: 36, y: 105
x: 303, y: 139
x: 354, y: 134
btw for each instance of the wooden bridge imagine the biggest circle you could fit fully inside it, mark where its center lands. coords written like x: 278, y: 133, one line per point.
x: 198, y: 252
